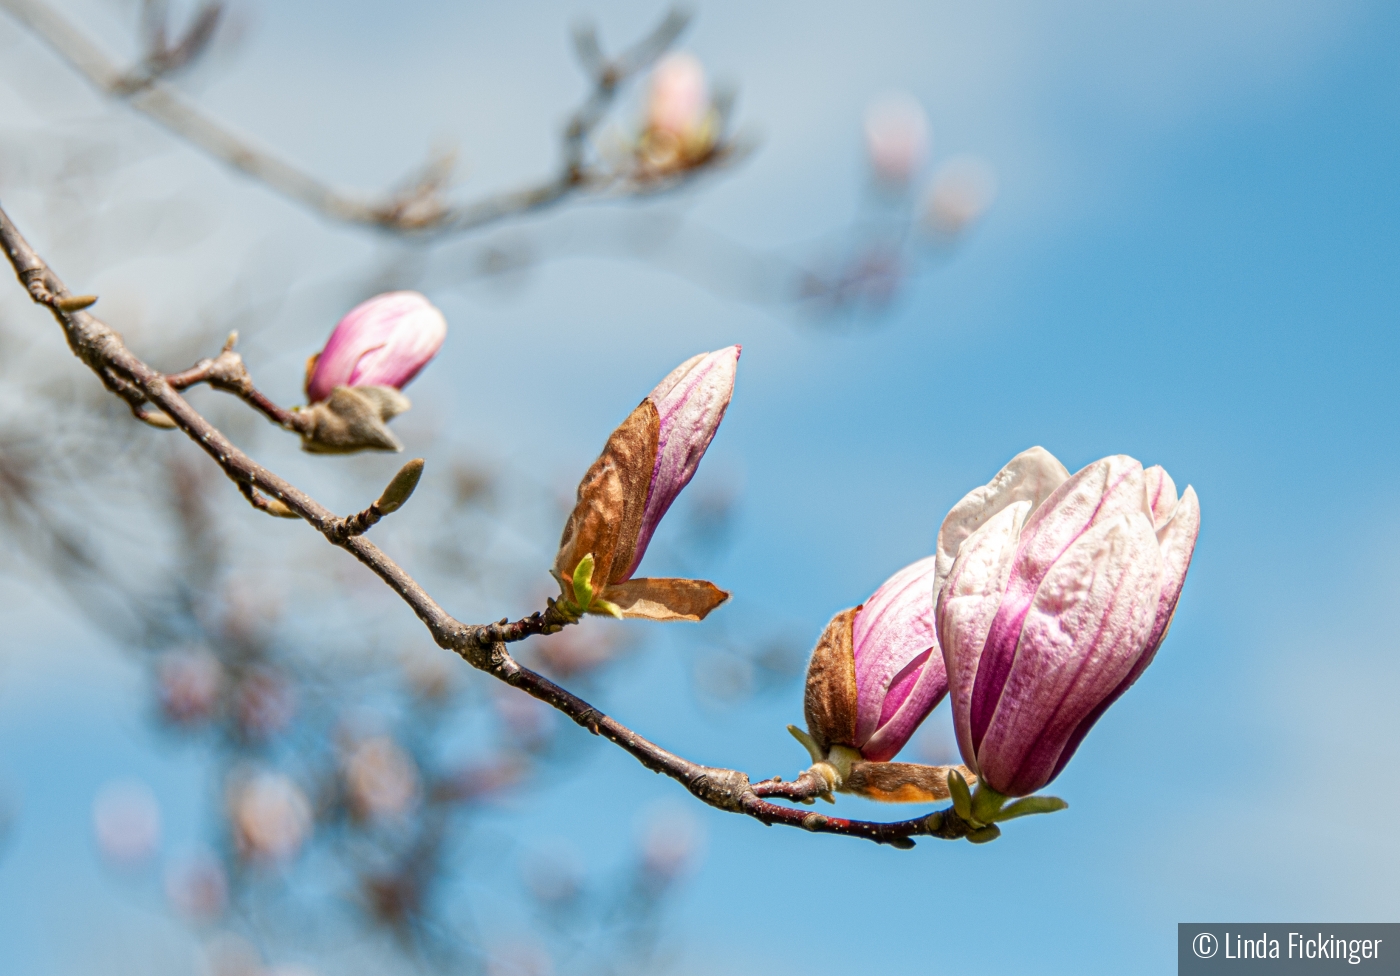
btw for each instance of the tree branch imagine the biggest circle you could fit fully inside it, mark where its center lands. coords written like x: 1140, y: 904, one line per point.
x: 418, y: 209
x: 483, y: 646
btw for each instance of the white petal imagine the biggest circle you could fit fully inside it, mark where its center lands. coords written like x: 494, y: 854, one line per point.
x: 1030, y: 477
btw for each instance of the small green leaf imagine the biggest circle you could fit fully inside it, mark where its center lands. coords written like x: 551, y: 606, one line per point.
x: 962, y: 799
x: 604, y: 608
x: 1029, y: 805
x: 985, y: 835
x: 583, y: 582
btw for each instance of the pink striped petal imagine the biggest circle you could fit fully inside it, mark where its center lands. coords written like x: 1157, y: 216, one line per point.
x: 384, y: 341
x: 1030, y: 476
x: 1161, y: 494
x: 690, y: 403
x: 1085, y: 630
x: 893, y: 628
x: 1099, y: 493
x: 967, y: 605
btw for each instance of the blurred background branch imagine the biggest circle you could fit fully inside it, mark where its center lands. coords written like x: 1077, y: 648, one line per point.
x: 418, y: 207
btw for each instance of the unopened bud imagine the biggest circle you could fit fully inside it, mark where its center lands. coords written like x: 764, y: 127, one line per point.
x: 985, y: 835
x: 384, y: 341
x: 75, y: 303
x: 401, y: 487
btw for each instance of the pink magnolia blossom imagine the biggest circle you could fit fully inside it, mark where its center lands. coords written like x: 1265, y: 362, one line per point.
x: 896, y: 137
x: 384, y: 341
x: 899, y: 673
x: 1053, y: 593
x: 690, y: 403
x: 679, y: 98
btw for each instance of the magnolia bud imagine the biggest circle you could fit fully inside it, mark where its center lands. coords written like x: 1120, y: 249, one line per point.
x: 384, y: 341
x: 876, y: 672
x: 896, y: 137
x: 1054, y: 594
x: 681, y: 123
x: 627, y: 491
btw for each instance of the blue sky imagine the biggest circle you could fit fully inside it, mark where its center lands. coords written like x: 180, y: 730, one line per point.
x: 1191, y: 260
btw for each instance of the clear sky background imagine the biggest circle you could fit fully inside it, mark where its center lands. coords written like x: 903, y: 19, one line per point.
x: 1192, y: 259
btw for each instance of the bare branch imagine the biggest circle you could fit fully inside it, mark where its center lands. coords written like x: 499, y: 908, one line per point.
x: 417, y: 209
x: 483, y: 646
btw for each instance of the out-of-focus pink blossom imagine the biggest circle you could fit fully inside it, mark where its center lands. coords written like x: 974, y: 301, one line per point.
x: 384, y: 341
x: 896, y: 137
x: 682, y: 125
x: 197, y: 886
x: 482, y: 780
x: 126, y: 822
x: 381, y: 780
x: 270, y: 816
x: 189, y: 682
x: 958, y: 195
x: 679, y: 96
x: 264, y: 703
x: 1057, y: 594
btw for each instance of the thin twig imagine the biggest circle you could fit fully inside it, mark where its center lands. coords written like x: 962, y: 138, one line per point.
x: 482, y: 645
x: 418, y: 209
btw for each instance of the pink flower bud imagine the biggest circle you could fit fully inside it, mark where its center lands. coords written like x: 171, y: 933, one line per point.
x: 896, y: 137
x: 384, y: 341
x: 627, y: 491
x: 269, y: 815
x: 958, y: 195
x: 877, y: 672
x: 679, y: 97
x: 126, y: 821
x: 1054, y: 594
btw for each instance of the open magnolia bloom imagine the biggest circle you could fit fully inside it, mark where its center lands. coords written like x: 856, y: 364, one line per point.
x: 874, y: 676
x: 621, y: 500
x: 353, y: 384
x: 1052, y: 595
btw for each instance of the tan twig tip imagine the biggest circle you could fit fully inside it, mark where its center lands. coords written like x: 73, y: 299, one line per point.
x: 74, y: 303
x: 401, y: 487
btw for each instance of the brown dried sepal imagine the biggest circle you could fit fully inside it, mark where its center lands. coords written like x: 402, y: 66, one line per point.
x: 607, y: 517
x: 829, y: 702
x: 665, y: 599
x: 892, y: 782
x: 353, y: 419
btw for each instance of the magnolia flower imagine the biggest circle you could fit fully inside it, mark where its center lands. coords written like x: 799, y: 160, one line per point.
x: 896, y: 137
x: 874, y: 676
x: 958, y: 195
x: 269, y: 815
x: 381, y: 780
x: 384, y: 341
x: 885, y: 652
x: 1052, y: 595
x: 353, y: 384
x: 627, y: 491
x: 681, y: 124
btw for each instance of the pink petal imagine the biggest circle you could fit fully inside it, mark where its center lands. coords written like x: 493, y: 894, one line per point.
x: 892, y: 628
x: 690, y: 403
x: 384, y: 341
x: 1085, y: 630
x: 1099, y: 493
x: 1030, y: 476
x: 1161, y: 494
x: 967, y: 605
x: 1178, y: 541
